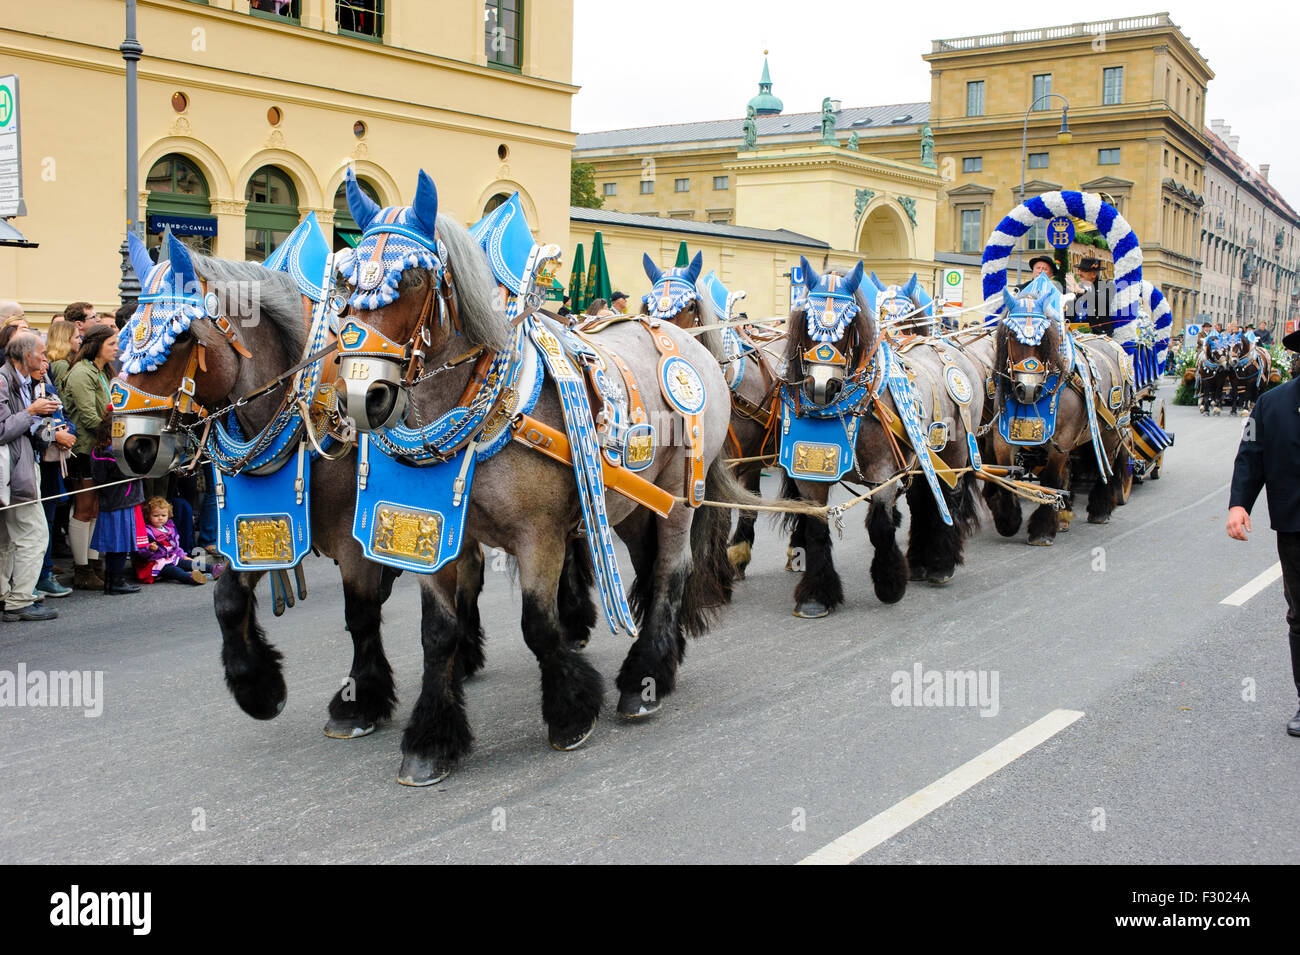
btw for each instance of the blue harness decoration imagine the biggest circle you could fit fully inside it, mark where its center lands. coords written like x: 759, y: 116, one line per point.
x: 736, y: 350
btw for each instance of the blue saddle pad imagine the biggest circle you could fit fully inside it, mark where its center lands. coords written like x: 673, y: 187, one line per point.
x: 260, y: 523
x: 817, y: 449
x: 1029, y: 424
x: 406, y: 516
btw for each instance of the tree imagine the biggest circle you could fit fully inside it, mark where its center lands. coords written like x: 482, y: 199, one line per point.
x: 582, y: 187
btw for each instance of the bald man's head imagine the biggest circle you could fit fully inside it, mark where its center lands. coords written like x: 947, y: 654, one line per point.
x: 10, y: 309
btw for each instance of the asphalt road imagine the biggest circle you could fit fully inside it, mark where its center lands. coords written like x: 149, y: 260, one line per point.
x: 781, y: 738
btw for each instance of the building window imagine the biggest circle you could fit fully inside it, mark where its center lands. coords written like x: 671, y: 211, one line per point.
x: 972, y: 164
x: 1036, y: 237
x: 721, y: 182
x: 1112, y: 86
x: 1038, y: 160
x: 683, y: 214
x: 272, y: 212
x: 503, y: 33
x: 647, y: 187
x: 288, y: 10
x: 363, y: 18
x: 178, y: 198
x: 975, y: 98
x: 1108, y: 157
x: 722, y: 217
x: 611, y: 189
x: 971, y: 240
x: 681, y: 185
x: 1042, y: 89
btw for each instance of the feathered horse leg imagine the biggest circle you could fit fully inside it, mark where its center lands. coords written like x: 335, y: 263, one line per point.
x: 252, y: 664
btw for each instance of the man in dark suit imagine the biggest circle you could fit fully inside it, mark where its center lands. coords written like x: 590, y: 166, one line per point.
x: 1269, y: 457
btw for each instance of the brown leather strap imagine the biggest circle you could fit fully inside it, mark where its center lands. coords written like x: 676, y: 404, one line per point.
x: 554, y: 444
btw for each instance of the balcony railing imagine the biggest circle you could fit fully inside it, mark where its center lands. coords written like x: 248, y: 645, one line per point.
x: 1043, y: 34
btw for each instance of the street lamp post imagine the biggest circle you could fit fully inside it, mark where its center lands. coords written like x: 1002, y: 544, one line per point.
x: 1063, y: 136
x: 131, y: 50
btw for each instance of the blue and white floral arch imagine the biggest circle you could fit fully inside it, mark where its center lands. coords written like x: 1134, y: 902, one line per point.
x: 1125, y: 249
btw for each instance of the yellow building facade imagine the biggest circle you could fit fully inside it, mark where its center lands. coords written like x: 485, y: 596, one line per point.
x: 250, y: 113
x: 1136, y: 102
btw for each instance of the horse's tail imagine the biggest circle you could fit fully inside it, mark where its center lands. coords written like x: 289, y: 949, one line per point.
x: 709, y: 585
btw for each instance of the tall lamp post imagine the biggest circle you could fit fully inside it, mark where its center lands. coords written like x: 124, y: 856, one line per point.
x: 131, y: 50
x: 1063, y: 136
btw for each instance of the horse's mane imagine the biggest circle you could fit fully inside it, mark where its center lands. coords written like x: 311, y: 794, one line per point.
x: 712, y: 339
x: 476, y: 288
x: 278, y: 298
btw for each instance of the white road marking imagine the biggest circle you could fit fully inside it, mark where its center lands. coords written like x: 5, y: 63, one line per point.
x: 857, y: 843
x: 1242, y: 594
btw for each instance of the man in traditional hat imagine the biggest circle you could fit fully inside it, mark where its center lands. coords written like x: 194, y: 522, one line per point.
x: 1269, y: 457
x: 1094, y: 301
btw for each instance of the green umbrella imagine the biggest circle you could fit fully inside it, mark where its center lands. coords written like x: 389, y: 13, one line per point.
x: 576, y: 301
x: 683, y: 257
x: 598, y: 275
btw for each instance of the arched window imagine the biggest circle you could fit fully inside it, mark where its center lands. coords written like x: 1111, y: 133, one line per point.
x: 346, y: 231
x: 495, y: 201
x: 272, y: 212
x: 178, y: 199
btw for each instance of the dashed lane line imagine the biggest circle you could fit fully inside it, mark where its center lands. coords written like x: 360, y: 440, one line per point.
x: 1244, y: 593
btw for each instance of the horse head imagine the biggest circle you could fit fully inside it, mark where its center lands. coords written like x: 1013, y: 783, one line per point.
x: 417, y: 282
x: 907, y: 306
x: 180, y: 357
x: 673, y: 296
x: 1031, y: 339
x: 832, y: 332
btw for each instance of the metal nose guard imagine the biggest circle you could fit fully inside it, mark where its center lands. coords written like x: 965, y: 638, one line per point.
x: 824, y: 382
x: 146, y: 448
x: 370, y: 372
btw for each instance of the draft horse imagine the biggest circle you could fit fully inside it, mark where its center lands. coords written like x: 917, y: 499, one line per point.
x: 896, y: 409
x: 423, y: 293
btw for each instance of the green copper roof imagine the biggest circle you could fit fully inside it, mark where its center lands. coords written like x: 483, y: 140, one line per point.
x: 765, y: 104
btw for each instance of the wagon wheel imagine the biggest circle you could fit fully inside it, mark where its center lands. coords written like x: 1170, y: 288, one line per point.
x: 1160, y: 458
x: 1124, y: 460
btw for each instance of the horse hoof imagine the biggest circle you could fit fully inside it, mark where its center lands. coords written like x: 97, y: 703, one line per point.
x: 565, y: 742
x: 353, y: 728
x: 917, y: 573
x: 936, y: 581
x: 422, y: 771
x: 1063, y: 521
x: 1100, y: 519
x: 740, y: 556
x: 1040, y: 542
x: 811, y: 609
x: 632, y: 707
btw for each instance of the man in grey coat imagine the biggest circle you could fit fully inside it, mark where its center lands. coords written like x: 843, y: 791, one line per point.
x: 23, y: 533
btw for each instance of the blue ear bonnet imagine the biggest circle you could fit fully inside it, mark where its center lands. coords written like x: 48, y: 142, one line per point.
x: 504, y: 235
x: 719, y: 298
x: 830, y: 304
x: 393, y: 240
x: 1031, y: 310
x: 169, y: 303
x: 673, y: 288
x: 305, y: 256
x: 375, y: 272
x: 909, y: 299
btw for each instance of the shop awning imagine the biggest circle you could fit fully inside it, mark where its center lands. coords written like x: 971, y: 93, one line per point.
x: 11, y: 236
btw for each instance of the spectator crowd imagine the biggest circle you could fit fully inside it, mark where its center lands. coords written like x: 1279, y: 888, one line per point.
x: 69, y: 519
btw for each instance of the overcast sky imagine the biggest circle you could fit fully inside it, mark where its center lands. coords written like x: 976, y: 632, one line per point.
x: 641, y: 64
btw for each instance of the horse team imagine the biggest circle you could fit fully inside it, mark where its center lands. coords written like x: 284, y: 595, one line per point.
x: 914, y: 415
x: 1231, y: 368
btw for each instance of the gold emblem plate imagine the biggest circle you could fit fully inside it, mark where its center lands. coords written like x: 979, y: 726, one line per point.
x: 640, y: 449
x: 407, y: 533
x: 815, y: 458
x: 263, y: 540
x: 1026, y: 429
